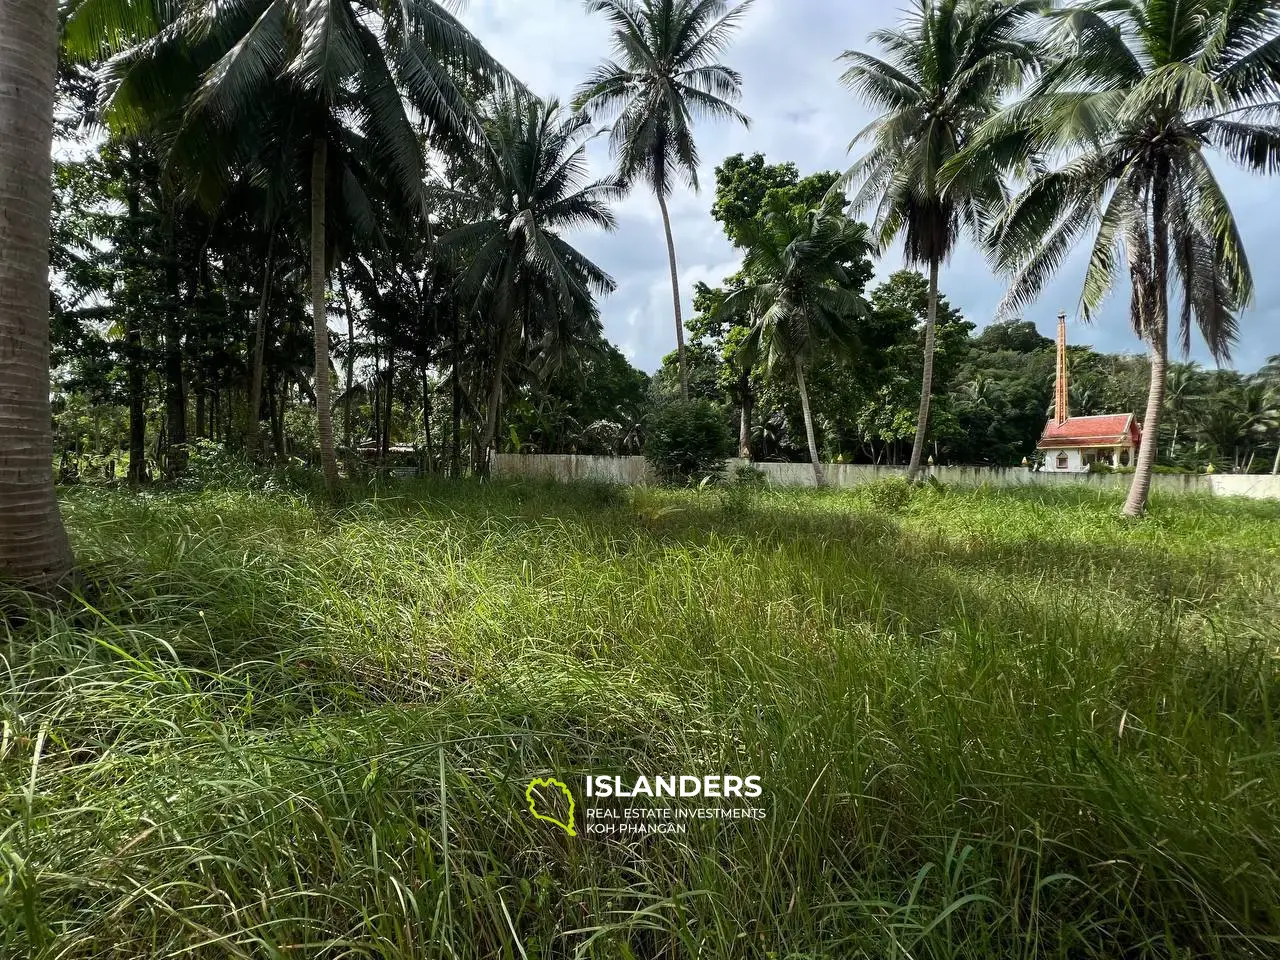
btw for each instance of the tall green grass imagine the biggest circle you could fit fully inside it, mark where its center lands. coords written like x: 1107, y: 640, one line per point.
x: 988, y: 724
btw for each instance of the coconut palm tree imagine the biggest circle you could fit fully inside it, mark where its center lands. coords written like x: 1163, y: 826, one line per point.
x: 1140, y: 93
x: 1184, y: 393
x: 33, y: 544
x: 530, y: 186
x: 800, y: 295
x: 1269, y: 376
x: 335, y: 68
x: 664, y: 76
x: 943, y: 73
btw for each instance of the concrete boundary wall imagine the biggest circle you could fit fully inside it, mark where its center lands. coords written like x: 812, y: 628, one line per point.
x: 635, y: 470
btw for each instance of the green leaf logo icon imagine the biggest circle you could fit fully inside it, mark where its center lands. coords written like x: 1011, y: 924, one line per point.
x: 531, y: 795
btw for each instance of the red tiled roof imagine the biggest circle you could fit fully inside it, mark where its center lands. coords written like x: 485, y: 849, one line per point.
x: 1109, y: 430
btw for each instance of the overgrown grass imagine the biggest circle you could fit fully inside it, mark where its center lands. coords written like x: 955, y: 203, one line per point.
x: 989, y: 724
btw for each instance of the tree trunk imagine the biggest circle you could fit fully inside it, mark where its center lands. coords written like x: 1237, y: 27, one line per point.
x: 1158, y: 340
x: 495, y: 405
x: 428, y: 456
x: 818, y: 476
x: 926, y: 386
x: 1275, y: 469
x: 34, y: 551
x: 254, y: 410
x: 175, y: 398
x: 319, y: 320
x: 135, y: 375
x: 375, y: 399
x: 385, y: 439
x: 675, y: 297
x: 455, y: 458
x: 277, y: 418
x: 744, y: 427
x: 347, y: 423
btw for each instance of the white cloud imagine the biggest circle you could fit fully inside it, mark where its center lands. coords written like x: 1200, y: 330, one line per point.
x: 787, y: 53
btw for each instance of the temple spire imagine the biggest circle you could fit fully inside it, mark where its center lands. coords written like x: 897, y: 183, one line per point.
x: 1061, y: 413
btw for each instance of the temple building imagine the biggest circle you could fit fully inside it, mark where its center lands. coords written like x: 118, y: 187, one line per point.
x: 1071, y: 444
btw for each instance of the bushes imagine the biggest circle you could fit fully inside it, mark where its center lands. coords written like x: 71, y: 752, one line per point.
x: 887, y: 495
x: 688, y: 442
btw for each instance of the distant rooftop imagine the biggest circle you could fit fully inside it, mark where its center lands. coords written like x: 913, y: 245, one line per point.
x: 1106, y: 430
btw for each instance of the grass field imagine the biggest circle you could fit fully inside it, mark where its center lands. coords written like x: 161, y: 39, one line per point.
x: 988, y: 724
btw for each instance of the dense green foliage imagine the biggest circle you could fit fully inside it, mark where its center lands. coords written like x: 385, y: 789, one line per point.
x: 988, y: 724
x: 688, y: 441
x: 993, y: 387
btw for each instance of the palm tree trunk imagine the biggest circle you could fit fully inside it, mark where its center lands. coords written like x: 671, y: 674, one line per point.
x: 495, y: 405
x: 135, y: 375
x: 428, y: 454
x: 175, y: 396
x: 1158, y: 338
x: 385, y: 439
x: 34, y: 551
x: 926, y: 386
x: 375, y: 398
x: 347, y: 423
x: 1275, y: 469
x: 319, y: 320
x: 818, y: 476
x: 455, y: 410
x: 675, y: 296
x: 254, y: 410
x: 744, y: 427
x: 1140, y: 490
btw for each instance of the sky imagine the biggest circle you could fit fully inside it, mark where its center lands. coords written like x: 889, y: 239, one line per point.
x: 786, y: 52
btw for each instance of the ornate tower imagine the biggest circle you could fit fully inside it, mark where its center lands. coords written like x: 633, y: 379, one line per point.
x: 1061, y: 413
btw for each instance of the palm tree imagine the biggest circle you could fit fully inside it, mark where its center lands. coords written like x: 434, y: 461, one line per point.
x: 34, y: 551
x: 664, y: 77
x: 1183, y: 395
x: 943, y: 74
x: 1139, y: 93
x: 800, y: 293
x: 530, y: 185
x: 334, y: 68
x: 1269, y: 376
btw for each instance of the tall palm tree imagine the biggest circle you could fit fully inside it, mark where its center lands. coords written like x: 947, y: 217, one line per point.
x: 336, y: 68
x: 530, y: 186
x: 664, y: 76
x: 800, y: 294
x: 943, y: 73
x: 1269, y: 376
x: 34, y: 551
x: 1183, y: 396
x: 1139, y: 94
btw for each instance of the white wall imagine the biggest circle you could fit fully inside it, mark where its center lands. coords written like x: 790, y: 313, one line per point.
x: 635, y: 470
x: 1075, y: 461
x: 1249, y: 485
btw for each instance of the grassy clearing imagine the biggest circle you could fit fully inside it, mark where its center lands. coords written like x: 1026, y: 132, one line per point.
x: 988, y: 724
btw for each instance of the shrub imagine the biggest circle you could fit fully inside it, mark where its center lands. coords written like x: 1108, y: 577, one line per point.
x: 750, y: 477
x: 211, y: 466
x: 688, y: 442
x: 888, y: 495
